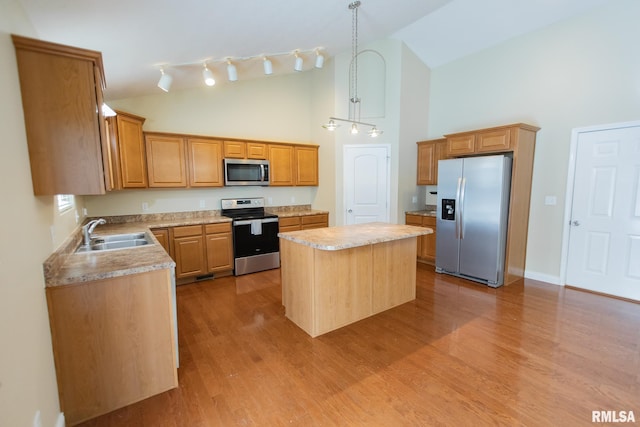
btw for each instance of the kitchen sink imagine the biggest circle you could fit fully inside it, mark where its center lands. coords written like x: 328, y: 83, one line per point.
x: 114, y: 241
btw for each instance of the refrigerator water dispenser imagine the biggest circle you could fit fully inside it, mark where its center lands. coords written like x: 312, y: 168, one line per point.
x: 449, y: 209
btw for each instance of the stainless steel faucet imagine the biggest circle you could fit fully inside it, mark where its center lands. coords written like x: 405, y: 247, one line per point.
x: 88, y: 228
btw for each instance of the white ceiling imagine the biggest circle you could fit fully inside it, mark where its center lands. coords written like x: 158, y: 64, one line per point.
x: 136, y: 37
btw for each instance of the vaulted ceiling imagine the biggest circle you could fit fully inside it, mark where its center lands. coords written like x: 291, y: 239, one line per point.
x: 137, y: 37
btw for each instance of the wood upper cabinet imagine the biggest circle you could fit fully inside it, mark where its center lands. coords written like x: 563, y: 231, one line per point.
x: 461, y: 145
x: 61, y: 90
x: 306, y: 165
x: 281, y: 159
x: 429, y: 152
x: 219, y: 249
x: 493, y: 141
x: 166, y: 162
x: 245, y: 150
x: 127, y: 157
x: 205, y: 162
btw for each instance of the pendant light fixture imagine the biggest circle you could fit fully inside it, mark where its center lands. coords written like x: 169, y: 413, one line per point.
x: 207, y: 74
x: 268, y: 66
x: 354, y: 100
x: 232, y: 72
x: 165, y: 81
x: 297, y: 66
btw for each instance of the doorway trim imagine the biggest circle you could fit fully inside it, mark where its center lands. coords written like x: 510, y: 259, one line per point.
x: 571, y: 172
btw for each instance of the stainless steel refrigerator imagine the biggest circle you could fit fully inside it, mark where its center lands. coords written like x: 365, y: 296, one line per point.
x: 472, y: 214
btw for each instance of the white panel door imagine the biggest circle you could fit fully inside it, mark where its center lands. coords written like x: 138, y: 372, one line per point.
x: 604, y: 236
x: 366, y: 183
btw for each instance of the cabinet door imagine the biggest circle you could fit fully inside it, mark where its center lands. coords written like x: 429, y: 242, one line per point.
x: 256, y: 150
x: 60, y: 91
x: 428, y: 252
x: 427, y: 163
x: 205, y: 162
x: 166, y: 161
x: 162, y: 234
x: 281, y: 158
x: 235, y: 150
x: 219, y: 243
x: 417, y: 221
x: 289, y: 223
x: 306, y: 166
x: 189, y: 253
x: 130, y: 159
x: 461, y: 145
x: 493, y: 141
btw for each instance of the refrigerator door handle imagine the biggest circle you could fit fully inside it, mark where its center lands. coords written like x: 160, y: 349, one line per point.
x: 461, y: 207
x: 458, y: 212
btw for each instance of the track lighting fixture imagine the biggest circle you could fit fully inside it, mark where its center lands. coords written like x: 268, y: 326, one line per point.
x: 207, y: 74
x: 267, y: 65
x: 354, y: 100
x: 298, y: 64
x: 232, y: 72
x: 165, y: 81
x: 319, y: 59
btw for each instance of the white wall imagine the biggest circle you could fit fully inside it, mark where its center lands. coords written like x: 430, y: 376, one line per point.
x: 580, y: 72
x: 27, y: 374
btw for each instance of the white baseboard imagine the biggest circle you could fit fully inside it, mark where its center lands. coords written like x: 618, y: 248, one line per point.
x: 60, y: 421
x: 547, y: 278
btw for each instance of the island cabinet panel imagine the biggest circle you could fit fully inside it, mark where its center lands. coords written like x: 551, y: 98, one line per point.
x: 389, y: 271
x: 297, y: 296
x: 113, y: 342
x: 166, y: 163
x: 350, y: 274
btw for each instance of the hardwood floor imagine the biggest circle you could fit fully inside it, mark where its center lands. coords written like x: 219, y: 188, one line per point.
x: 461, y: 354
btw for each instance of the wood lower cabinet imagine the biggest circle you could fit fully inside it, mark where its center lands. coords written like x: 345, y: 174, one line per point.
x: 427, y: 243
x: 127, y: 155
x: 205, y: 162
x: 166, y: 163
x: 61, y: 89
x: 303, y: 222
x: 429, y: 152
x: 219, y: 242
x: 188, y: 250
x: 113, y: 342
x: 162, y: 234
x: 200, y: 250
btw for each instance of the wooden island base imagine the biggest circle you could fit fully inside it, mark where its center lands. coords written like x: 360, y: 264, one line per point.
x: 323, y: 290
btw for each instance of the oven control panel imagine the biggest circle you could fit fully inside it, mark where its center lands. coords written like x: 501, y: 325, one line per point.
x: 249, y: 202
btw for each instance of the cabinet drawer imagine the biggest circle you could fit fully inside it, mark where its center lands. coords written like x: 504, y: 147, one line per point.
x: 498, y: 140
x: 429, y: 221
x: 223, y: 227
x: 411, y: 219
x: 289, y: 221
x: 314, y: 219
x: 187, y: 230
x: 458, y: 145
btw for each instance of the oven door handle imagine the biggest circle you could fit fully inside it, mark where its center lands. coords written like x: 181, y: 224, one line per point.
x: 249, y: 221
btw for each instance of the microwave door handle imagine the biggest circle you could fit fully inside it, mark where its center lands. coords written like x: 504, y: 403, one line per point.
x: 262, y: 173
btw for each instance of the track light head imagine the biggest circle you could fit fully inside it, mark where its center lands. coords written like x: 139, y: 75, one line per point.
x: 165, y: 81
x: 319, y: 59
x: 232, y: 72
x: 268, y: 66
x: 297, y: 66
x: 207, y: 74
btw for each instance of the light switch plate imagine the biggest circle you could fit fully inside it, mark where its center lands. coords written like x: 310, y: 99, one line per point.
x: 550, y: 200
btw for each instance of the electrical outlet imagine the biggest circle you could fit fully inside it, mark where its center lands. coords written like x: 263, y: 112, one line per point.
x: 550, y: 200
x: 145, y: 206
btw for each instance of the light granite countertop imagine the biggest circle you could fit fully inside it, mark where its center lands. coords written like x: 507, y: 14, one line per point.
x: 65, y: 267
x: 424, y: 212
x: 351, y: 236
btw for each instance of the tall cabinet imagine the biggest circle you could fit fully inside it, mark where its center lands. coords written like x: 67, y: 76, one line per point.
x: 62, y: 100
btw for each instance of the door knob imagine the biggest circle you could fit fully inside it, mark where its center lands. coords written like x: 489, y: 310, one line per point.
x: 575, y: 223
x: 350, y: 211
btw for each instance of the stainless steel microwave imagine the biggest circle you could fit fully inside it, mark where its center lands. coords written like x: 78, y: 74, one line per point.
x: 246, y: 172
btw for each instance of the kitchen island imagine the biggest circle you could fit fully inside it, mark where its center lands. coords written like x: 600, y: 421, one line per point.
x: 335, y: 276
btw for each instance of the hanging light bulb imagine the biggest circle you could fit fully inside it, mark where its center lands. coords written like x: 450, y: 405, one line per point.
x: 331, y: 126
x: 267, y: 65
x: 354, y: 128
x: 207, y: 74
x: 374, y: 132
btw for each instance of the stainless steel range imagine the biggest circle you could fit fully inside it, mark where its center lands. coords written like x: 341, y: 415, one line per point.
x: 255, y: 235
